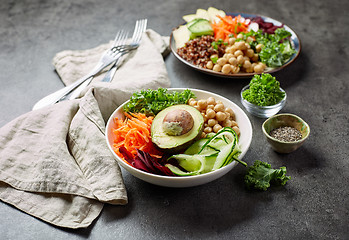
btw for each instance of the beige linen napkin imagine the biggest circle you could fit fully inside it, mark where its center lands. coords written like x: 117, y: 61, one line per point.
x: 54, y: 162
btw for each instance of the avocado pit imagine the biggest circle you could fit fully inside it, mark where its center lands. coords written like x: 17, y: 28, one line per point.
x: 177, y: 122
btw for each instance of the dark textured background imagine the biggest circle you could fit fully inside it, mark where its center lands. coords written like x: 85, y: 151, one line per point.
x: 313, y: 205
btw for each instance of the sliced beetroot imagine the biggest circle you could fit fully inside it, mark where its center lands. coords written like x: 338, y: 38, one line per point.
x: 143, y: 161
x: 127, y: 155
x: 147, y: 160
x: 266, y: 27
x: 139, y: 164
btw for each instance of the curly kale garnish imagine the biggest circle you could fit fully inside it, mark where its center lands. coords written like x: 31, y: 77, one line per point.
x: 260, y: 175
x: 151, y: 102
x: 264, y: 90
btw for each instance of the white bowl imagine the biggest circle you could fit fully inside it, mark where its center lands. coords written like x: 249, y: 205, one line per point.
x: 187, y: 181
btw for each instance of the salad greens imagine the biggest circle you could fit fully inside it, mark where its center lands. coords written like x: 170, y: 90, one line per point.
x: 264, y: 90
x: 260, y: 175
x: 277, y: 47
x: 151, y: 102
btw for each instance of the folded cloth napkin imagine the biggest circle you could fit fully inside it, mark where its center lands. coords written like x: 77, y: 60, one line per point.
x: 54, y: 162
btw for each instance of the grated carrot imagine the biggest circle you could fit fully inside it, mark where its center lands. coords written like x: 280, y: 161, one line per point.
x: 229, y: 25
x: 134, y: 133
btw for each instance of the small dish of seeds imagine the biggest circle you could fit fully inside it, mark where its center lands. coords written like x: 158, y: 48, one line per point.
x: 285, y: 132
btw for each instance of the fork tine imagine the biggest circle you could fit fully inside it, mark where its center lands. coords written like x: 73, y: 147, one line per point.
x: 140, y: 27
x: 122, y: 35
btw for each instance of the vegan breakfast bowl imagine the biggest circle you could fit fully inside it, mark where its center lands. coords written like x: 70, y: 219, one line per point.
x: 233, y: 45
x: 178, y: 137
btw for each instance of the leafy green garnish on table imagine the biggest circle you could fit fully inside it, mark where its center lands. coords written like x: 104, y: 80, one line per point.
x: 151, y: 102
x: 264, y: 90
x: 277, y: 48
x: 260, y: 175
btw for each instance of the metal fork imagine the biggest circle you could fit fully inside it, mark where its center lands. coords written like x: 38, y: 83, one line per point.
x: 140, y: 27
x: 108, y: 58
x: 119, y: 41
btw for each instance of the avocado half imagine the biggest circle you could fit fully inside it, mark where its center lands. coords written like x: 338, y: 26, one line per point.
x: 171, y: 143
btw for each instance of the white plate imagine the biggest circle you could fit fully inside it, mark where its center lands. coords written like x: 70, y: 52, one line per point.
x: 187, y: 181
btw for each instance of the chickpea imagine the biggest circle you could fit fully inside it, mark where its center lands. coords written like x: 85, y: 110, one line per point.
x: 231, y: 41
x: 217, y: 68
x: 214, y: 56
x: 217, y: 127
x: 229, y: 50
x: 249, y: 53
x: 203, y: 135
x: 236, y: 129
x: 233, y: 61
x: 240, y: 36
x: 259, y: 68
x: 192, y: 102
x: 226, y: 123
x: 238, y: 53
x: 259, y: 47
x: 229, y: 111
x: 211, y: 106
x: 249, y: 70
x: 221, y: 116
x: 222, y: 61
x: 229, y: 55
x: 233, y: 123
x: 209, y: 64
x: 211, y: 122
x: 219, y: 102
x: 226, y: 68
x: 247, y: 64
x: 255, y: 57
x: 233, y: 48
x: 210, y: 113
x: 219, y: 107
x: 240, y: 59
x: 235, y: 69
x: 208, y: 129
x: 211, y: 101
x: 202, y: 104
x: 249, y: 39
x: 240, y: 45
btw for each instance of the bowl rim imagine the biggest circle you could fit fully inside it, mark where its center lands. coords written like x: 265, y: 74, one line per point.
x: 286, y: 114
x: 181, y: 178
x: 244, y: 101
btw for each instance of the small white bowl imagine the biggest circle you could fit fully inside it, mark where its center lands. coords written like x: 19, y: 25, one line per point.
x: 262, y: 111
x: 187, y: 181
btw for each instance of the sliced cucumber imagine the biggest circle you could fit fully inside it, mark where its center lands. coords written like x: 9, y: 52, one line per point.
x: 196, y: 147
x: 209, y: 154
x: 199, y: 27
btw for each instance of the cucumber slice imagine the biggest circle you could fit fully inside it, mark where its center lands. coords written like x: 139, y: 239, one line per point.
x: 179, y: 172
x: 196, y: 147
x: 190, y: 163
x: 200, y: 27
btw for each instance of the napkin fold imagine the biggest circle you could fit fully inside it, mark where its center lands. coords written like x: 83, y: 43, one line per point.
x: 54, y: 162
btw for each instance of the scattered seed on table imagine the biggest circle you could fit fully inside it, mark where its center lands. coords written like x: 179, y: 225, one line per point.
x: 286, y: 134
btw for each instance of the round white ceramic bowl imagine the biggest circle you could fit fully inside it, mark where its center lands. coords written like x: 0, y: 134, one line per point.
x: 187, y: 181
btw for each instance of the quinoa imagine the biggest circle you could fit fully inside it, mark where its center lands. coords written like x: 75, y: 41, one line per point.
x: 199, y: 50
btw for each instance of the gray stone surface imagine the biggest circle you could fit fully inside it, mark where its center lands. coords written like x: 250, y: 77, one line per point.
x: 313, y: 205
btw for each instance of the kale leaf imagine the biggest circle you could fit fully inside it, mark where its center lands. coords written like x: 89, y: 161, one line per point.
x: 277, y: 48
x: 151, y: 102
x: 264, y: 90
x: 260, y: 175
